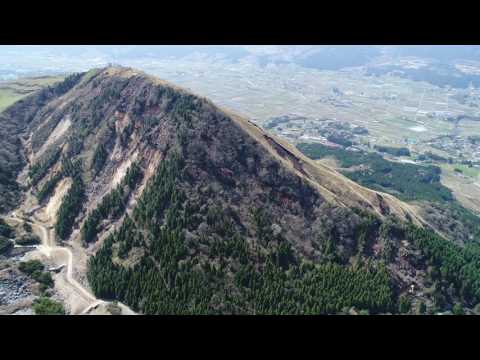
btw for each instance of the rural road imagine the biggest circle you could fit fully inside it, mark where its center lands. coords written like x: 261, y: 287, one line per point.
x: 49, y: 248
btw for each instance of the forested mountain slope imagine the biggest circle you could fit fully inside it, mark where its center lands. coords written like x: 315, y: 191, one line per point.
x: 186, y: 208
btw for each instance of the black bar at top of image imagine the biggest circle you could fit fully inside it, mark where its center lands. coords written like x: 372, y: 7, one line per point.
x: 239, y: 24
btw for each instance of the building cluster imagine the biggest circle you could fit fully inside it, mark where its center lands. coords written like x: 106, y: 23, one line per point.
x: 458, y: 147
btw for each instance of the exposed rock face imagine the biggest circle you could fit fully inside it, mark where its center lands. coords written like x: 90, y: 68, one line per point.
x: 15, y: 289
x: 12, y: 290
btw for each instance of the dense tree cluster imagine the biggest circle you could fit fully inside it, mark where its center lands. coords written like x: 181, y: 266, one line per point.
x: 6, y: 230
x: 366, y: 233
x: 29, y: 267
x: 38, y: 170
x: 34, y: 268
x: 11, y: 161
x: 126, y: 133
x: 275, y: 121
x: 69, y: 169
x: 404, y: 305
x: 441, y: 75
x: 339, y: 139
x: 322, y: 289
x: 99, y: 157
x: 406, y: 181
x: 432, y: 156
x: 68, y: 83
x: 72, y: 202
x: 112, y: 205
x: 28, y: 239
x: 454, y: 220
x: 5, y: 245
x: 230, y: 274
x: 395, y: 151
x: 47, y: 189
x: 15, y: 120
x: 9, y: 189
x: 70, y: 208
x: 450, y: 264
x: 47, y: 306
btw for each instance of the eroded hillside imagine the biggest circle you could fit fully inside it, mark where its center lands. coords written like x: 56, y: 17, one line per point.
x: 182, y: 207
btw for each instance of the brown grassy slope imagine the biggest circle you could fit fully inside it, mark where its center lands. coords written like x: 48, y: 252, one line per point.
x: 332, y: 185
x: 329, y: 184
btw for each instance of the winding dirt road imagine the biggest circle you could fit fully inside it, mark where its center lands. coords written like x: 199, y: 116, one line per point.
x: 49, y: 249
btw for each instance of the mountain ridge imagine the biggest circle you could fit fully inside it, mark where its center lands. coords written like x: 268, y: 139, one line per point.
x: 319, y: 173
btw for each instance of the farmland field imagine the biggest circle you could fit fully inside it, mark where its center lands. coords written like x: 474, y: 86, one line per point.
x: 11, y: 91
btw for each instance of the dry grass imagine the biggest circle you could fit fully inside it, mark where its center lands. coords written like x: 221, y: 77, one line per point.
x: 12, y: 91
x: 332, y: 185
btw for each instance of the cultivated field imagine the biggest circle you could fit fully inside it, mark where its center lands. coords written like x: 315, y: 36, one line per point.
x: 11, y: 91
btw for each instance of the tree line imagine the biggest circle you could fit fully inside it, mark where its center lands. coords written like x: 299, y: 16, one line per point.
x: 112, y: 205
x: 230, y: 274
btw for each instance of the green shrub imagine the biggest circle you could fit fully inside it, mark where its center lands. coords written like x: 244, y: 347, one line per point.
x: 28, y: 239
x: 29, y: 267
x: 402, y: 151
x: 6, y: 230
x: 458, y: 309
x: 404, y: 305
x: 44, y: 278
x: 422, y: 308
x: 99, y: 157
x: 5, y: 245
x: 46, y: 306
x: 27, y: 227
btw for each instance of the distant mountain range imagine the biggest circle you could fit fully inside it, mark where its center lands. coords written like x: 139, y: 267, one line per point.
x: 315, y: 56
